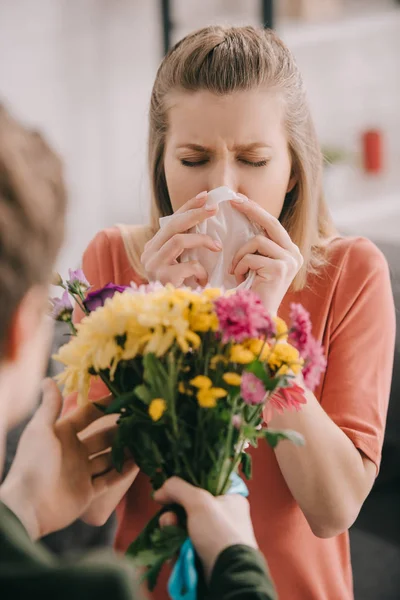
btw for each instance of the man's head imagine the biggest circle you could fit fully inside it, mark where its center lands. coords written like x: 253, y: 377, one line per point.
x: 32, y: 211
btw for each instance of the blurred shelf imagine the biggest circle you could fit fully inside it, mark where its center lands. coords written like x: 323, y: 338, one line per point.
x: 367, y: 205
x: 358, y: 19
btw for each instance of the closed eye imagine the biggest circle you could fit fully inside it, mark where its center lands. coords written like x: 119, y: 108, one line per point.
x: 196, y: 163
x: 259, y: 163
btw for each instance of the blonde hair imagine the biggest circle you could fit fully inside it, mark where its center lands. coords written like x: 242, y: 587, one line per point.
x: 32, y: 210
x: 224, y: 60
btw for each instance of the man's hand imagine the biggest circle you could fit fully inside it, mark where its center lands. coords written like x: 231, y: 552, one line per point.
x: 57, y: 473
x: 213, y: 523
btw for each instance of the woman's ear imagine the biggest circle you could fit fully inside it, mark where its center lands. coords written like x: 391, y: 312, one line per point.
x: 292, y: 182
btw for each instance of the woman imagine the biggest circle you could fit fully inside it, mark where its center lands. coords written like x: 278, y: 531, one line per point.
x: 228, y: 108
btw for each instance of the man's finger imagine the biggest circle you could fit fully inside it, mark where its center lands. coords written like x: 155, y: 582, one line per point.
x: 167, y: 519
x: 179, y: 491
x: 104, y: 482
x: 51, y: 405
x: 99, y: 441
x: 83, y: 416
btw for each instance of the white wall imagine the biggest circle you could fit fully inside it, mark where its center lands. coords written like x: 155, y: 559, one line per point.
x: 82, y: 71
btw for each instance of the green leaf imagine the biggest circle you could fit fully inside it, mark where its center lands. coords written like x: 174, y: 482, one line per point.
x: 100, y: 407
x: 118, y: 453
x: 144, y: 394
x: 258, y: 369
x: 119, y: 402
x: 246, y: 462
x: 154, y: 546
x: 274, y: 436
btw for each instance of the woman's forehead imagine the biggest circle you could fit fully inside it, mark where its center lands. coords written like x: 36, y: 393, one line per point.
x: 248, y: 118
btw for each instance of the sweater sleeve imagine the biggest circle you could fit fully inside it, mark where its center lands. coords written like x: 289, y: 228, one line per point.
x: 241, y: 573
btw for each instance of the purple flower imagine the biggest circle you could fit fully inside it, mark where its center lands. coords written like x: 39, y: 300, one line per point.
x: 252, y: 389
x: 62, y: 308
x: 77, y: 281
x: 97, y: 299
x: 242, y: 316
x: 300, y: 332
x: 315, y: 364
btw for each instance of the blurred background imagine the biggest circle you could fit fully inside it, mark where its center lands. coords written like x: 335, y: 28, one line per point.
x: 82, y: 72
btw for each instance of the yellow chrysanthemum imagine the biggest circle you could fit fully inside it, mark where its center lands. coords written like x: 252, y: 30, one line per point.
x: 157, y: 408
x: 241, y: 355
x: 284, y: 357
x: 281, y: 328
x: 202, y: 316
x: 232, y: 379
x: 201, y: 382
x: 257, y: 347
x: 211, y: 293
x: 207, y: 397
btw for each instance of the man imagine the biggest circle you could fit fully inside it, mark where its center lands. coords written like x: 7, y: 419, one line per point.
x: 60, y: 468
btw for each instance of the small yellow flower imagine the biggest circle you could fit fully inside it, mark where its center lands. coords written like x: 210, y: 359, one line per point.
x: 241, y: 355
x: 202, y: 382
x: 207, y: 397
x: 232, y: 379
x: 218, y: 358
x: 157, y: 408
x: 181, y: 388
x: 281, y: 328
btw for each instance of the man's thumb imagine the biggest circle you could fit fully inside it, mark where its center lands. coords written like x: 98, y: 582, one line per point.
x: 176, y: 490
x: 51, y: 405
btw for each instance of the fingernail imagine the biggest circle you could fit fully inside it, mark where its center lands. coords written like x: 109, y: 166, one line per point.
x: 218, y: 245
x: 201, y: 195
x: 240, y: 198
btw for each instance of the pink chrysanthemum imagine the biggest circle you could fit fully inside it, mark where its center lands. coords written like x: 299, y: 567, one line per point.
x: 242, y: 316
x: 315, y: 364
x: 300, y: 332
x: 290, y: 398
x: 252, y: 389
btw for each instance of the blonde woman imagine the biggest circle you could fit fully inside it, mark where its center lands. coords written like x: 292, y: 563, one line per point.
x: 229, y: 108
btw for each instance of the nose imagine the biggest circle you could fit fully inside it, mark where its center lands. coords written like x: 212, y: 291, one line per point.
x: 222, y: 173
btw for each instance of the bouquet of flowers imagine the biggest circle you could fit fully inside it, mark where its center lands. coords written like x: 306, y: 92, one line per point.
x: 195, y: 376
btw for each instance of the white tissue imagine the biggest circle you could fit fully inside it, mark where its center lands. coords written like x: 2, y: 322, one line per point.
x: 229, y: 227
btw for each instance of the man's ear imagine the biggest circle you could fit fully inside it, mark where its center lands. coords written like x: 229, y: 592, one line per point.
x: 25, y: 321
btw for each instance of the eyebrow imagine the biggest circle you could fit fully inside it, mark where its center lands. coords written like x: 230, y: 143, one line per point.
x: 240, y: 147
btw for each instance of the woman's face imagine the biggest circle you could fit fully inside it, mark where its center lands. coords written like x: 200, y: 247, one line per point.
x: 237, y: 140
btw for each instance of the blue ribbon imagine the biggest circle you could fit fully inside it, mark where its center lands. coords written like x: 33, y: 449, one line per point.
x: 182, y: 584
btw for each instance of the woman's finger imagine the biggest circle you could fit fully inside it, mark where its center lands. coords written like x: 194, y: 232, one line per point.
x: 263, y: 246
x: 101, y: 464
x: 267, y: 268
x: 180, y: 223
x: 195, y: 202
x: 174, y: 247
x: 272, y: 226
x: 177, y: 274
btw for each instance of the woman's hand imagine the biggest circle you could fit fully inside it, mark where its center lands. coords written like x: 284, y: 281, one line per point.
x: 213, y: 523
x: 160, y: 256
x: 273, y: 257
